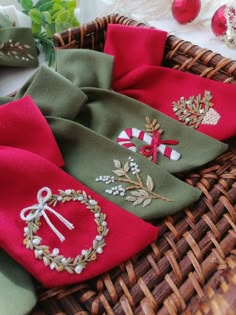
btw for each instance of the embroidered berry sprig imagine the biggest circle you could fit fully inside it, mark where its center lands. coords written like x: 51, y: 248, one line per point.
x: 140, y: 193
x: 16, y: 50
x: 52, y: 258
x: 194, y: 111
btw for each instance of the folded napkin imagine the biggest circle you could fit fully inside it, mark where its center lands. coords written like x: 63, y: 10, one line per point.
x: 200, y: 103
x: 15, y: 285
x: 44, y: 210
x: 17, y: 47
x: 142, y: 187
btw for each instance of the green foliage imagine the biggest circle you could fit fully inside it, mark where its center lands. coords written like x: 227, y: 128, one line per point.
x: 49, y: 17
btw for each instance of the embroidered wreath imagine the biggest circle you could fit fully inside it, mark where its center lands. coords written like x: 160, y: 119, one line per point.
x: 52, y: 258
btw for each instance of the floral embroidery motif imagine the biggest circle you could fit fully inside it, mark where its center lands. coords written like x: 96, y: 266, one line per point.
x: 140, y: 193
x: 16, y: 50
x: 153, y: 139
x: 52, y: 258
x: 196, y: 111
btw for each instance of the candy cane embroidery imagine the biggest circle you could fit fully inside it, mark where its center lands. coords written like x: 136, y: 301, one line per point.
x: 153, y: 140
x: 52, y: 258
x: 196, y: 111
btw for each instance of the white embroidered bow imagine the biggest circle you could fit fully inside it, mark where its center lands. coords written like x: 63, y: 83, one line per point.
x: 41, y: 208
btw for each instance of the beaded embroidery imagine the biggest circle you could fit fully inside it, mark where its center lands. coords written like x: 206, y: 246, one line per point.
x: 52, y: 258
x: 196, y: 111
x: 140, y: 193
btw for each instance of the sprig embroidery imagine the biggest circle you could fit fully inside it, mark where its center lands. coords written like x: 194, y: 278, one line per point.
x: 196, y: 110
x: 52, y: 258
x: 16, y: 50
x: 128, y: 175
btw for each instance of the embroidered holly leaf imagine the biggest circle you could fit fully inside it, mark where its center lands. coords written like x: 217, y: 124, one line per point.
x: 126, y: 167
x: 149, y: 183
x: 130, y: 198
x: 46, y: 261
x: 69, y: 270
x: 136, y: 193
x: 119, y: 172
x: 117, y: 163
x: 138, y: 201
x: 147, y: 202
x: 144, y: 193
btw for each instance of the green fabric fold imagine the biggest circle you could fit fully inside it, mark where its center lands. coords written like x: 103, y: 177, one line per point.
x: 108, y: 113
x: 17, y: 293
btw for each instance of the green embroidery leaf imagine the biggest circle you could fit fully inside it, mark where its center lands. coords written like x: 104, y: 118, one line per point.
x: 149, y: 183
x: 144, y: 193
x: 147, y: 202
x: 138, y: 202
x: 126, y: 167
x: 130, y: 198
x: 46, y: 261
x: 136, y: 193
x: 119, y: 172
x: 117, y: 163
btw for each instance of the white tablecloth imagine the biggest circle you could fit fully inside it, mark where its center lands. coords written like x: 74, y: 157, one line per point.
x: 156, y: 13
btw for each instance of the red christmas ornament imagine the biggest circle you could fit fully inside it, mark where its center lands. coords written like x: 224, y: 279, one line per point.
x: 185, y: 11
x: 218, y: 22
x: 223, y: 23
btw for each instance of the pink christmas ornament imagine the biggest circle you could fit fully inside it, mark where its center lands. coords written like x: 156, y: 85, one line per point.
x: 218, y: 22
x: 223, y: 23
x: 185, y: 11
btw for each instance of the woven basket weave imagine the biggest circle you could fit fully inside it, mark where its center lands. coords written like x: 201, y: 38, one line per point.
x: 191, y: 268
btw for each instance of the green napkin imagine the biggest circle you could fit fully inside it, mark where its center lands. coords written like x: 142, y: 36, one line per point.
x: 17, y: 48
x: 17, y: 296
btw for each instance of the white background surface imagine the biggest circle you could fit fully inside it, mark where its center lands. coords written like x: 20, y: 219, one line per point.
x: 156, y: 13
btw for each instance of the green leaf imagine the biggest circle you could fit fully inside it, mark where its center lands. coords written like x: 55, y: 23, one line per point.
x: 40, y: 2
x: 26, y: 4
x: 62, y: 27
x: 36, y: 28
x: 47, y: 17
x: 36, y: 16
x: 46, y: 6
x: 62, y: 17
x: 50, y: 30
x: 70, y: 4
x: 57, y: 7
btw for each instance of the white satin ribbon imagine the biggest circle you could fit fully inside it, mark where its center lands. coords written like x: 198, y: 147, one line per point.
x: 41, y: 208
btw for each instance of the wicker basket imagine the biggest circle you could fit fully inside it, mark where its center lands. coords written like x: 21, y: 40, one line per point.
x: 191, y: 268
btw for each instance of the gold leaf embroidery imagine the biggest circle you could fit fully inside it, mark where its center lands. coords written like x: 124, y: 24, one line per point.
x: 51, y: 258
x: 128, y: 175
x: 193, y: 112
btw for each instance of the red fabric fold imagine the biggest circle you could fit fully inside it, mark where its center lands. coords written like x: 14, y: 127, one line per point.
x: 161, y: 87
x: 132, y: 46
x: 22, y: 125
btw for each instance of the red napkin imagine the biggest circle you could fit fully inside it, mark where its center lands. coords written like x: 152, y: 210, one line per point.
x: 203, y: 104
x: 23, y: 174
x: 77, y: 237
x: 23, y: 126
